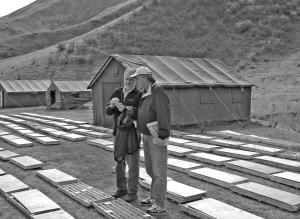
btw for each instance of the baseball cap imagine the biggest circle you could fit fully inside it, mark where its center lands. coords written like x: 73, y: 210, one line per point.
x: 141, y: 71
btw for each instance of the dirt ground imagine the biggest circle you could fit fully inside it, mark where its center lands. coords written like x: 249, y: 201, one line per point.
x: 93, y: 166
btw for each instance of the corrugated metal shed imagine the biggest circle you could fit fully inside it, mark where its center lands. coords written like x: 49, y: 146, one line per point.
x: 25, y: 86
x: 181, y: 71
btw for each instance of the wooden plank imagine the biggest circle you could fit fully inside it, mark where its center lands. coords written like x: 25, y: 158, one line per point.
x: 20, y: 142
x: 109, y: 148
x: 217, y: 177
x: 209, y: 158
x: 179, y: 134
x: 47, y: 130
x: 81, y: 131
x: 5, y: 155
x: 9, y: 137
x: 100, y: 129
x: 279, y: 162
x: 24, y: 131
x: 60, y: 214
x: 247, y: 155
x: 252, y: 168
x: 182, y: 193
x: 4, y: 133
x: 35, y: 201
x: 272, y: 196
x: 261, y: 149
x: 201, y: 146
x: 178, y: 141
x: 119, y: 209
x: 226, y: 143
x: 85, y: 194
x: 47, y: 140
x: 98, y: 134
x: 73, y: 137
x: 182, y: 165
x: 287, y: 178
x: 178, y: 151
x: 99, y: 143
x: 292, y: 155
x: 26, y: 162
x: 58, y: 133
x: 34, y: 135
x: 56, y: 177
x: 213, y: 209
x: 69, y: 127
x: 10, y: 184
x: 198, y: 138
x: 2, y: 172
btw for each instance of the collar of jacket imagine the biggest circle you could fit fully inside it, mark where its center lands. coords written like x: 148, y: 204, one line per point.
x: 148, y: 93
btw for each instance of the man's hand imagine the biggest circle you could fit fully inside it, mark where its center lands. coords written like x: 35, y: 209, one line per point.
x: 113, y: 102
x: 153, y: 133
x: 160, y: 142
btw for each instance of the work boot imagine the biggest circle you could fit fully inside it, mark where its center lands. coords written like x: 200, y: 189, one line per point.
x: 131, y: 197
x: 119, y: 194
x: 147, y: 202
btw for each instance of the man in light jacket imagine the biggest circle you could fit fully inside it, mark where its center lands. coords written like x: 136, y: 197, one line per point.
x: 154, y: 107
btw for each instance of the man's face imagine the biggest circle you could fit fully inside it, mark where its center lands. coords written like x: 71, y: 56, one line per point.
x: 129, y: 83
x: 141, y: 82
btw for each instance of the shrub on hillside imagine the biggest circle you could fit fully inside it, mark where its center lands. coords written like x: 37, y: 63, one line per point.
x: 61, y: 46
x: 70, y: 48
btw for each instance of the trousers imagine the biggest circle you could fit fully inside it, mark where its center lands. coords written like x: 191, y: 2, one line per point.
x: 156, y: 159
x: 131, y: 183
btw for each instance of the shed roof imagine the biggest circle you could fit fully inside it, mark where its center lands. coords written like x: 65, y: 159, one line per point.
x: 25, y: 86
x: 181, y: 71
x: 71, y: 86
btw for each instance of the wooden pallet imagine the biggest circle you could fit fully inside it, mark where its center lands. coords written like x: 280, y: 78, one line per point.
x: 47, y: 130
x: 272, y: 196
x: 26, y: 162
x: 99, y: 143
x: 33, y: 202
x: 109, y: 148
x: 56, y: 177
x: 34, y: 135
x: 119, y: 209
x: 99, y: 134
x: 69, y: 127
x: 198, y: 138
x: 144, y: 176
x: 2, y: 172
x: 20, y: 142
x: 24, y: 131
x: 179, y: 134
x: 213, y: 209
x: 5, y: 155
x: 289, y: 155
x: 73, y: 137
x: 252, y: 168
x: 9, y: 137
x: 287, y: 178
x: 60, y: 214
x: 226, y: 143
x: 217, y: 177
x: 178, y: 141
x: 247, y: 155
x: 4, y: 133
x: 84, y: 194
x: 279, y: 162
x: 181, y: 165
x: 47, y: 140
x: 210, y: 158
x: 81, y: 131
x: 58, y: 133
x: 178, y: 151
x: 10, y: 184
x: 261, y: 149
x: 201, y: 146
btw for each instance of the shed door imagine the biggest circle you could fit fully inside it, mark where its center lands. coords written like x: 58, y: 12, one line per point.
x: 107, y: 89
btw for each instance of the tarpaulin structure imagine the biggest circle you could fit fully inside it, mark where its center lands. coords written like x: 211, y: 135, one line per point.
x: 23, y: 93
x: 67, y: 94
x: 200, y: 90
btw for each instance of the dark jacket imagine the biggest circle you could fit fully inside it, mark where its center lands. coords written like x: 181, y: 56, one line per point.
x: 132, y: 99
x: 155, y: 107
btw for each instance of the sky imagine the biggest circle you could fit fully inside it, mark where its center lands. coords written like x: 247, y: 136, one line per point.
x: 9, y: 6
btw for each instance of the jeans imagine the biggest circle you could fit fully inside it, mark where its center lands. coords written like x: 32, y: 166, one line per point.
x: 133, y: 173
x: 156, y: 159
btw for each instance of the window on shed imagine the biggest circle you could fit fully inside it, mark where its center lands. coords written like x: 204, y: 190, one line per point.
x: 75, y: 95
x: 206, y: 96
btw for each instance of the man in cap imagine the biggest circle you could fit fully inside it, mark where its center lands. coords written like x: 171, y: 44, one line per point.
x: 123, y: 100
x: 154, y: 108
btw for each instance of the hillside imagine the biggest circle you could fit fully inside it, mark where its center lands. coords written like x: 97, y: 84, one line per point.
x: 257, y: 39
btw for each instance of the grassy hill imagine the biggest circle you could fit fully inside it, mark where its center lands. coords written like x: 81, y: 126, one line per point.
x: 257, y: 39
